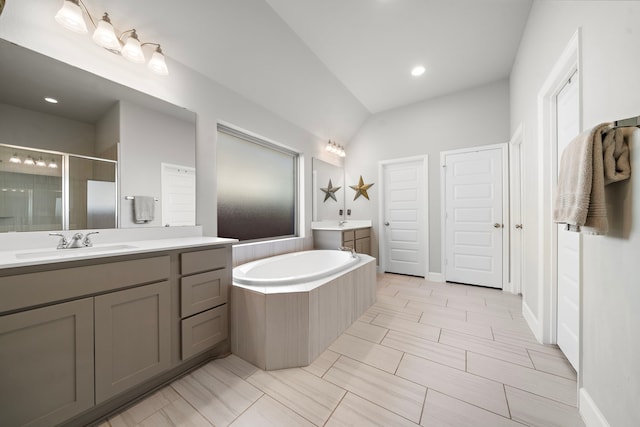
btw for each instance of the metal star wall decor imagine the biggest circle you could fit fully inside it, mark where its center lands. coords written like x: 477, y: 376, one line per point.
x: 330, y: 191
x: 361, y: 188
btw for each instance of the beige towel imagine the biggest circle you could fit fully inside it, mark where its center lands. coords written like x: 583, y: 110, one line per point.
x: 592, y: 160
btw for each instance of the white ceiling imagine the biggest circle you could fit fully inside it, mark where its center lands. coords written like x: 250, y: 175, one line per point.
x: 371, y: 45
x: 324, y: 65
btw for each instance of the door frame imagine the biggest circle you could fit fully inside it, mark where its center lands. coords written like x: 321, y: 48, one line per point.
x: 516, y: 210
x: 504, y: 147
x: 382, y: 250
x: 544, y: 324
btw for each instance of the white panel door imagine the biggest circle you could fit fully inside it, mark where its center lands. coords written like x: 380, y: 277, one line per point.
x: 473, y: 218
x: 178, y: 195
x: 569, y: 243
x: 405, y: 218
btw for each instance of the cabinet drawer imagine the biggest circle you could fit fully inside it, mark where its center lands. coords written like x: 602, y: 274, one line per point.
x: 347, y: 235
x: 196, y: 262
x: 204, y: 330
x: 348, y: 244
x: 362, y: 233
x: 203, y: 291
x: 26, y: 290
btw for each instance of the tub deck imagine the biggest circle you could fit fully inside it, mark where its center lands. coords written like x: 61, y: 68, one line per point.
x: 291, y: 329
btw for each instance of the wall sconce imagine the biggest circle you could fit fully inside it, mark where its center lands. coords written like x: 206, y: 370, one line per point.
x: 127, y: 44
x: 337, y: 149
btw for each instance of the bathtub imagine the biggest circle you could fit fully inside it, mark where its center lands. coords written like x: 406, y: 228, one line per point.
x: 286, y: 310
x: 297, y: 268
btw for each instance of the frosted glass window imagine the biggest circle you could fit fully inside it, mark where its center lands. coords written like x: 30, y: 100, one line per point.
x: 257, y: 187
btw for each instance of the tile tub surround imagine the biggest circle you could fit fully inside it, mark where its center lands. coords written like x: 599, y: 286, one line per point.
x: 291, y: 329
x: 349, y: 388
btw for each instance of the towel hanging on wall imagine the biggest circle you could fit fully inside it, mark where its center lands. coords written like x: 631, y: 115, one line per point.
x: 593, y: 159
x: 143, y: 209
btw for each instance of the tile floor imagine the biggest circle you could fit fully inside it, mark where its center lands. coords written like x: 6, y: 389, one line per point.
x: 429, y: 354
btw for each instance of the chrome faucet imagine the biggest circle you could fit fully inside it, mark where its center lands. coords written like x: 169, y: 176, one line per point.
x: 348, y: 249
x: 76, y: 241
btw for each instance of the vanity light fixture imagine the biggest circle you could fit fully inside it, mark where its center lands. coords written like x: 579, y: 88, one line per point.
x: 41, y: 162
x: 15, y: 158
x: 334, y: 148
x: 71, y: 17
x: 53, y: 164
x: 29, y: 161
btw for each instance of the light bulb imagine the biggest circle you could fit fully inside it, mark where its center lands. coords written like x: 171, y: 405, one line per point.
x: 15, y: 158
x: 132, y: 49
x: 41, y: 162
x: 105, y: 36
x: 157, y: 63
x: 53, y: 164
x: 70, y: 17
x: 29, y: 161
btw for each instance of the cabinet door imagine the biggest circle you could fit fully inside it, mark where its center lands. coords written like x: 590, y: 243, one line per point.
x: 203, y: 291
x: 363, y: 246
x: 132, y: 334
x: 46, y: 364
x: 204, y: 330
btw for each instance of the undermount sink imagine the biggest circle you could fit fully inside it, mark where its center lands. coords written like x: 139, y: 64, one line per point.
x: 61, y: 253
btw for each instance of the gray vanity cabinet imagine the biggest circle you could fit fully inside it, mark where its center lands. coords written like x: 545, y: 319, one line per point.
x: 46, y: 364
x: 133, y: 337
x: 358, y: 239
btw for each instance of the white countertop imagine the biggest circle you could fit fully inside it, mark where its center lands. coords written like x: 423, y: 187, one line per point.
x: 29, y: 257
x: 335, y: 225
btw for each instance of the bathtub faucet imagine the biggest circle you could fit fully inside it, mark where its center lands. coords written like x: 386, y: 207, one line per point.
x: 348, y: 249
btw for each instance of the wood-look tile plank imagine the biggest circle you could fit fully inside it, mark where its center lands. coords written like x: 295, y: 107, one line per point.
x: 441, y: 410
x: 427, y: 349
x: 442, y: 311
x: 525, y: 340
x: 367, y: 331
x: 395, y: 301
x: 537, y: 382
x: 502, y: 321
x: 177, y: 414
x: 498, y: 350
x: 386, y: 390
x: 364, y: 351
x: 236, y: 365
x: 311, y: 397
x: 443, y: 322
x: 409, y: 327
x: 413, y: 292
x: 537, y: 411
x: 462, y: 385
x: 437, y: 300
x: 356, y: 411
x: 219, y: 395
x: 410, y: 314
x: 267, y: 412
x: 145, y: 408
x: 388, y: 291
x: 556, y: 365
x: 320, y: 366
x: 367, y: 317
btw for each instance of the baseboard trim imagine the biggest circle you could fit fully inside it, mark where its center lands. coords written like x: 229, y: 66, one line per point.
x: 590, y: 412
x: 435, y: 277
x: 532, y: 321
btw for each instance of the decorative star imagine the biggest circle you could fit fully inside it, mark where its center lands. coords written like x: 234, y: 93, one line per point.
x: 361, y: 188
x: 330, y: 191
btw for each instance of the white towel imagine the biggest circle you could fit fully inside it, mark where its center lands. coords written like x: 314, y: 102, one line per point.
x: 143, y: 209
x: 592, y: 160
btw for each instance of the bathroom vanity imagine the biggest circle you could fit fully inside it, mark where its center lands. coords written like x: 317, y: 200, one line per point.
x: 333, y: 235
x: 84, y: 333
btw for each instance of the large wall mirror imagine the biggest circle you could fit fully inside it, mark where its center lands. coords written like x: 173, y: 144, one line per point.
x: 328, y: 191
x: 80, y: 162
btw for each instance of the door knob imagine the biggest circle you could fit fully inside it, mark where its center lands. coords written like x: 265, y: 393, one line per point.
x: 386, y: 223
x: 519, y: 226
x: 497, y: 225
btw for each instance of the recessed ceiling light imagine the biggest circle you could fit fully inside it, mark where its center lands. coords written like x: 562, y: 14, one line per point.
x: 418, y: 71
x: 51, y: 100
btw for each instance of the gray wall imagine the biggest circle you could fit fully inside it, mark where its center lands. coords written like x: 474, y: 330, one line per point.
x: 147, y: 139
x: 478, y: 116
x: 28, y: 128
x: 610, y: 61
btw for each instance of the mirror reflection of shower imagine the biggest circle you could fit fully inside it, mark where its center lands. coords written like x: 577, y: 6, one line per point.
x: 47, y: 190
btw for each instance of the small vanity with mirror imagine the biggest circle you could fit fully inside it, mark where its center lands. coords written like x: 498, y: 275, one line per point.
x: 330, y: 228
x: 107, y: 309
